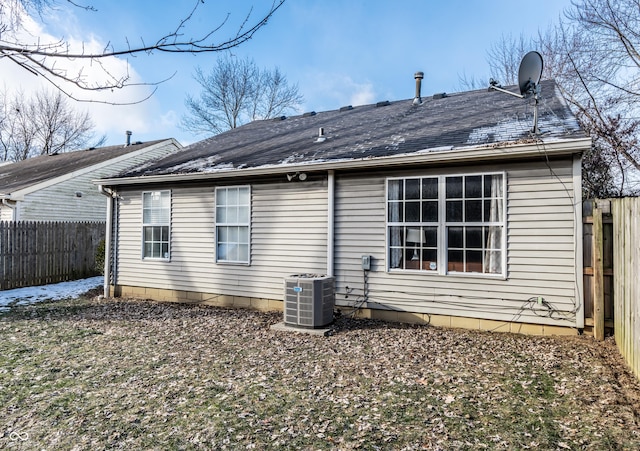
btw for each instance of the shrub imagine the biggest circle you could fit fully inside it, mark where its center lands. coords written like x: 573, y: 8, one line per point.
x: 100, y: 251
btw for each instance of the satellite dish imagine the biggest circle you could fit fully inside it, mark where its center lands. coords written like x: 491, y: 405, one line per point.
x: 529, y: 73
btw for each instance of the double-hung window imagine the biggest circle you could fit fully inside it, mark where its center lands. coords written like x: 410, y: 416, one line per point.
x: 156, y: 219
x: 233, y: 216
x: 447, y: 224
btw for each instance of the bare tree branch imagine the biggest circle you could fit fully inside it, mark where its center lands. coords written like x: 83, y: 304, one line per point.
x: 235, y: 92
x: 593, y: 56
x: 42, y: 124
x: 42, y: 58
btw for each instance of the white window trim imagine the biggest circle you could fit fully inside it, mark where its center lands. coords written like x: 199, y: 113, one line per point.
x: 142, y: 256
x: 443, y: 224
x: 248, y: 225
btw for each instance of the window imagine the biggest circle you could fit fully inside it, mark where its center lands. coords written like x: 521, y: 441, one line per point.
x: 156, y: 216
x: 233, y: 213
x: 447, y: 224
x: 475, y: 223
x: 413, y: 219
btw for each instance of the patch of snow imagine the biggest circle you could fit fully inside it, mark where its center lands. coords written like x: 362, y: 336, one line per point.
x: 219, y: 167
x: 201, y: 164
x: 505, y: 130
x: 291, y: 159
x: 141, y: 167
x: 53, y: 292
x: 517, y: 128
x: 396, y: 140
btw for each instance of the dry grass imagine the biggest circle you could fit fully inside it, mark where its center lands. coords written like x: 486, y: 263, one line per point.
x: 90, y: 374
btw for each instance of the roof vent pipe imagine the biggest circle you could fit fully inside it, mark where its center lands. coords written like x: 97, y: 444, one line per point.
x: 321, y: 136
x: 418, y: 76
x: 128, y: 133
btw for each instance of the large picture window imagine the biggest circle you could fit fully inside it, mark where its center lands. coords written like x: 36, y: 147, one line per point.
x: 156, y: 218
x: 233, y: 216
x: 447, y: 224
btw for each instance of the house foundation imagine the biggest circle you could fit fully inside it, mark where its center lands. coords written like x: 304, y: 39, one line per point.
x: 261, y: 304
x: 194, y: 297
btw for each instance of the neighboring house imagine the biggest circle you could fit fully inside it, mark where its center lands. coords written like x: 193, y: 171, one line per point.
x: 469, y: 220
x: 59, y: 187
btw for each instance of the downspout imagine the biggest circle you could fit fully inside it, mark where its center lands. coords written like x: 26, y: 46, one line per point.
x: 115, y: 234
x: 107, y: 239
x: 330, y: 221
x: 13, y: 207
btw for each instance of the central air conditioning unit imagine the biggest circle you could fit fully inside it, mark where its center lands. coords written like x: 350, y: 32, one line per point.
x: 308, y: 300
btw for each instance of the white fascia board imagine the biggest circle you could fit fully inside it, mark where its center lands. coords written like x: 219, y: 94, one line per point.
x: 478, y: 154
x: 20, y: 194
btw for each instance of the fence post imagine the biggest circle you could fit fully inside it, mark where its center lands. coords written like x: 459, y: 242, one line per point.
x: 598, y: 274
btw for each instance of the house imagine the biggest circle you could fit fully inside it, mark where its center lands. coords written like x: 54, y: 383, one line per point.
x: 59, y: 187
x: 464, y: 217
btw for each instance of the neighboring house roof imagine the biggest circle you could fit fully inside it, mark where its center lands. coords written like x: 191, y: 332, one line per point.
x: 35, y: 171
x: 460, y: 122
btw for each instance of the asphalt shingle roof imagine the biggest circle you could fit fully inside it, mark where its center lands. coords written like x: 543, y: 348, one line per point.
x: 23, y: 174
x: 468, y: 119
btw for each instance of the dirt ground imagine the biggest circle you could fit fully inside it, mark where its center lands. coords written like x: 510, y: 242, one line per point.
x: 129, y: 374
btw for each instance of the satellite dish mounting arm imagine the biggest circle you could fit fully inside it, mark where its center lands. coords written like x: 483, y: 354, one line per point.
x: 536, y: 90
x: 493, y: 87
x: 529, y: 74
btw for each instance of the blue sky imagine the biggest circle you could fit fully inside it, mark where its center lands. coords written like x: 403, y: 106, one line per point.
x: 338, y: 52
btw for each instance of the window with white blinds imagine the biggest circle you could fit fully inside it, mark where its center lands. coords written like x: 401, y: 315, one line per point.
x: 233, y: 220
x: 156, y: 219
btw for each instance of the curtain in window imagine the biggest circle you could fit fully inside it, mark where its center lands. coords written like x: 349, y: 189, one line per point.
x: 395, y: 232
x: 493, y: 256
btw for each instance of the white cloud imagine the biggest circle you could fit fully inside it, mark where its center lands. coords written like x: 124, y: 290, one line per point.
x: 170, y: 119
x: 364, y: 94
x: 332, y: 91
x: 110, y: 120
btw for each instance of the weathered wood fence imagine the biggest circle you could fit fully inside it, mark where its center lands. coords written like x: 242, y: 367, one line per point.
x: 612, y: 273
x: 38, y: 253
x: 597, y: 247
x: 626, y: 288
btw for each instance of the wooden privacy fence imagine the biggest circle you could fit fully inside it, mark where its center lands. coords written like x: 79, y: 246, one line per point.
x: 612, y: 273
x: 626, y: 288
x: 597, y: 254
x: 38, y: 253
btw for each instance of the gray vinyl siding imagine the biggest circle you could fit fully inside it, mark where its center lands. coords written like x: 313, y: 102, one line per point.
x: 6, y: 213
x: 58, y: 202
x: 541, y: 250
x: 288, y: 236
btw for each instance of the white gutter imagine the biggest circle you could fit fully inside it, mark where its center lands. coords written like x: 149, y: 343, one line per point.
x: 107, y: 239
x: 13, y: 207
x: 330, y: 221
x: 477, y: 154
